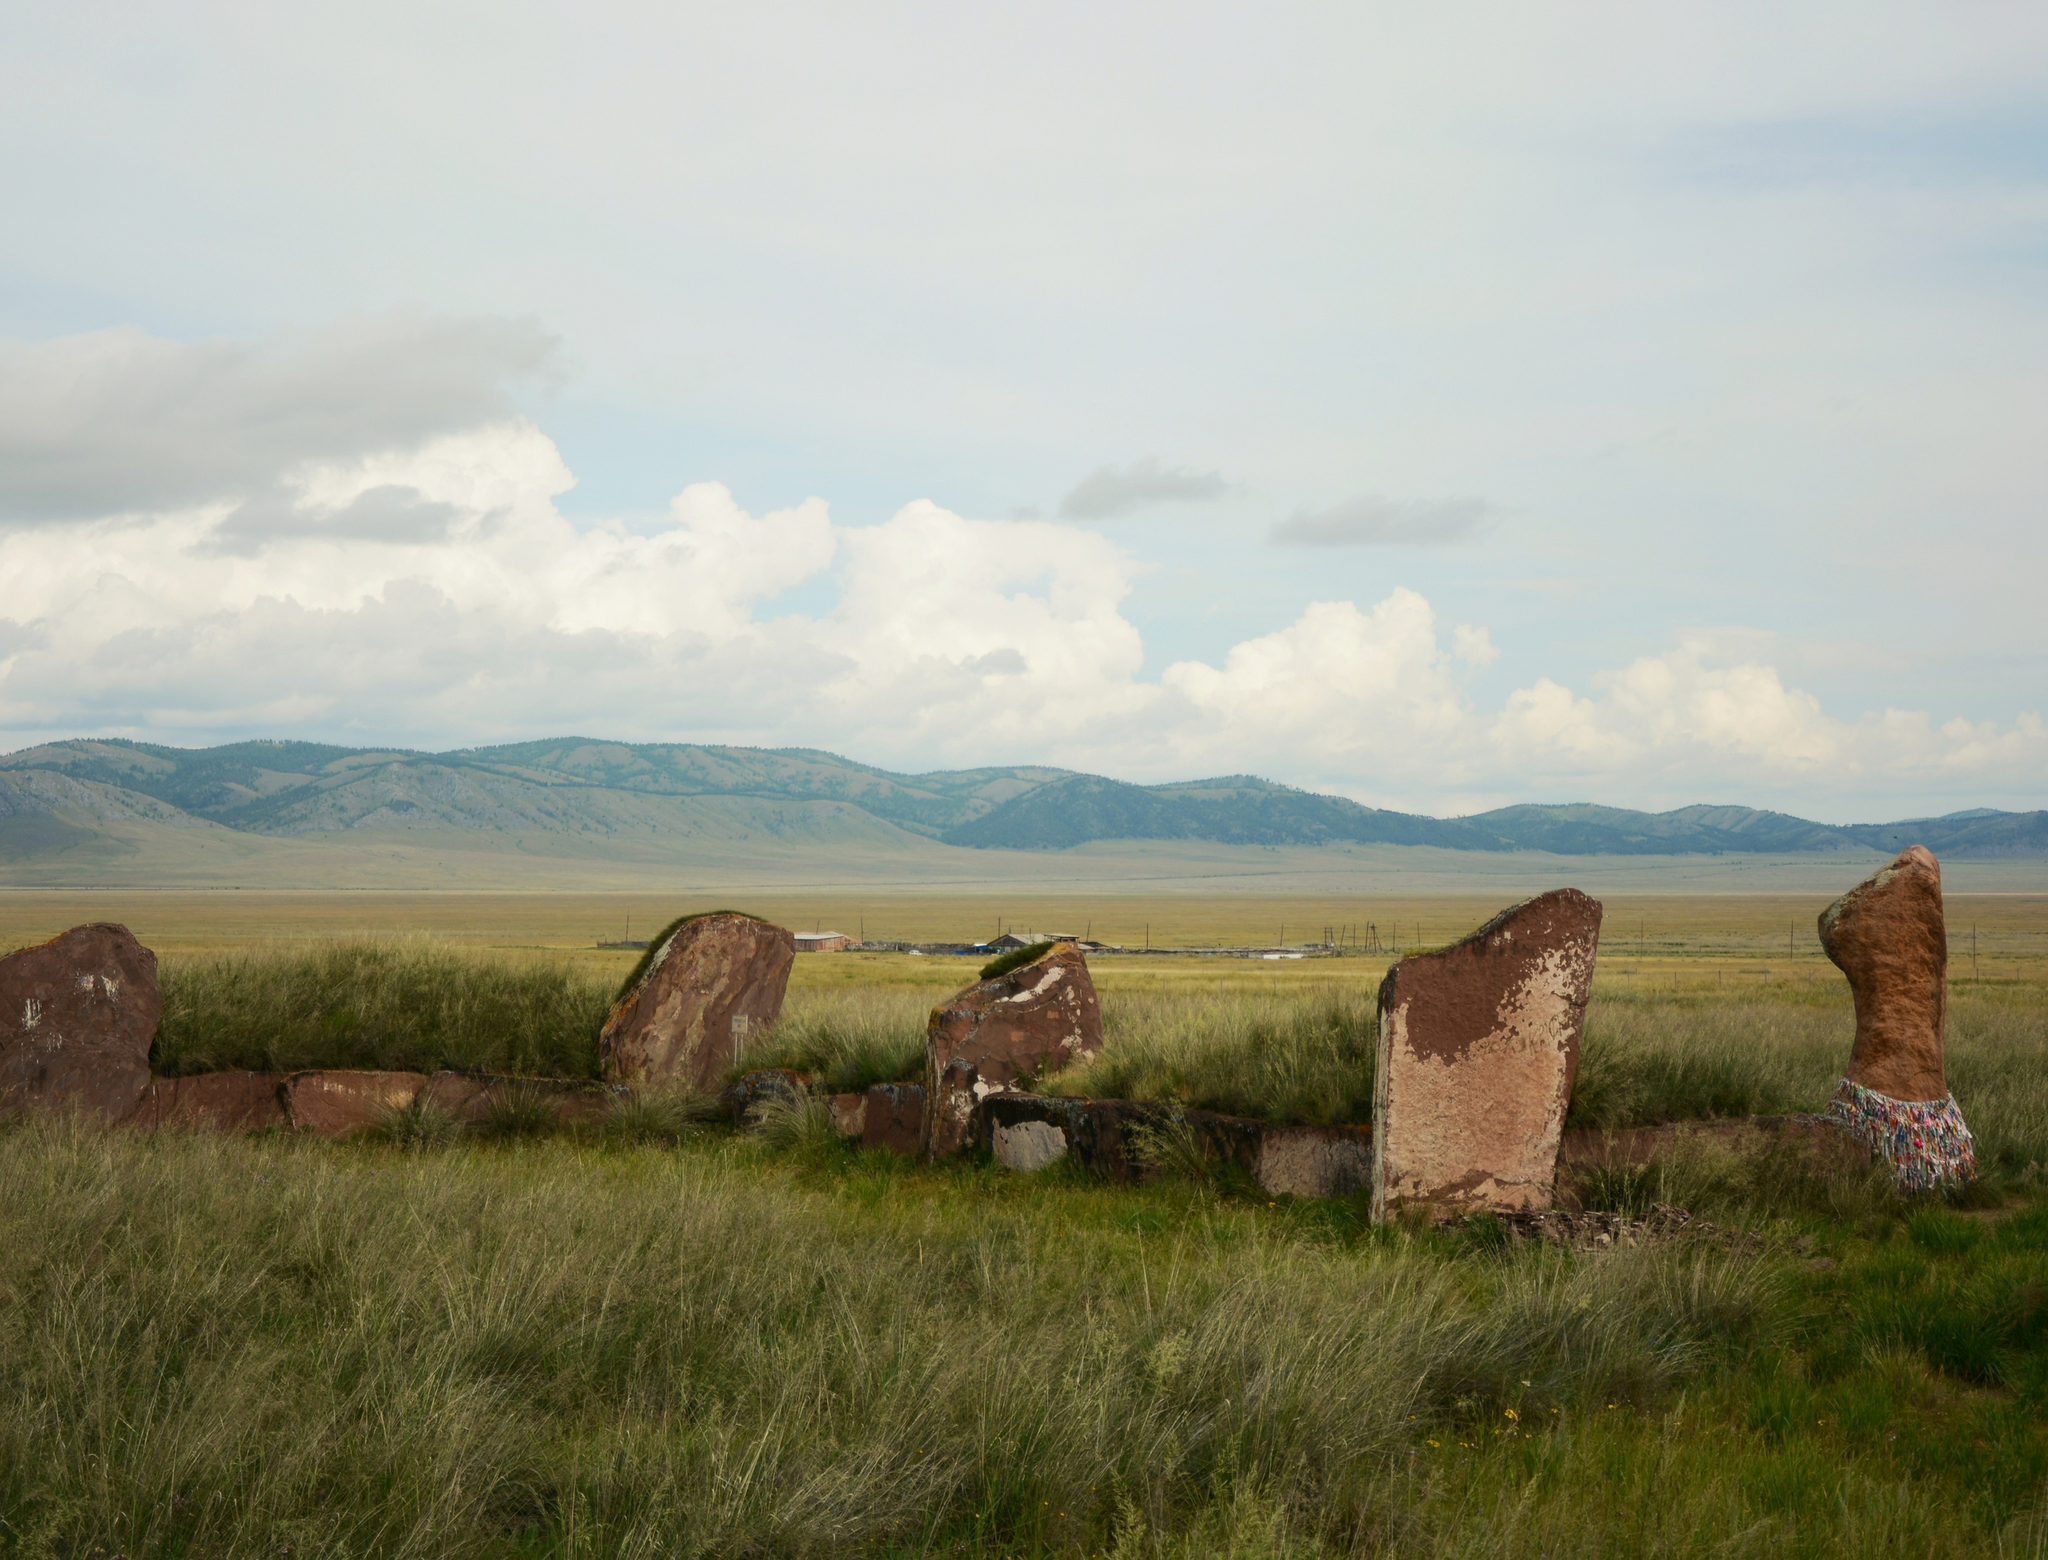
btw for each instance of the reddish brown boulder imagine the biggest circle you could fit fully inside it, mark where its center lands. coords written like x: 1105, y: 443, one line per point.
x: 1025, y: 1024
x: 214, y: 1102
x: 77, y: 1015
x: 893, y: 1117
x: 1478, y: 1047
x: 1888, y: 936
x: 708, y: 985
x: 336, y: 1103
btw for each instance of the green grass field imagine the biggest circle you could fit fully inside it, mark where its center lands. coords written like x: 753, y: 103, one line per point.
x: 661, y: 1337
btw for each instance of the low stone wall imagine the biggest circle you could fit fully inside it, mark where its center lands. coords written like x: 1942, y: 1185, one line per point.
x: 1032, y: 1131
x: 335, y: 1103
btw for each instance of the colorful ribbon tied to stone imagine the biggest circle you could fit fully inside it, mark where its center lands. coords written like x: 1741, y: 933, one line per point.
x: 1924, y: 1141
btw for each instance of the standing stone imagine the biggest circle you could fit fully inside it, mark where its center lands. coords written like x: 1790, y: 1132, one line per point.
x: 1888, y: 935
x: 1478, y: 1047
x: 77, y: 1016
x: 710, y: 983
x: 1030, y: 1022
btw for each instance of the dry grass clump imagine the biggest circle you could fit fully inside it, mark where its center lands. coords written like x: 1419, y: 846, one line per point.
x: 846, y: 1039
x: 1656, y: 1057
x: 235, y: 1347
x: 1305, y: 1058
x: 406, y: 1004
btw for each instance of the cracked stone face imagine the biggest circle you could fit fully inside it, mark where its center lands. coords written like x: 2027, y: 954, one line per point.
x: 1889, y: 937
x: 1029, y: 1145
x: 716, y: 981
x: 1026, y: 1024
x: 77, y: 1016
x: 1478, y: 1048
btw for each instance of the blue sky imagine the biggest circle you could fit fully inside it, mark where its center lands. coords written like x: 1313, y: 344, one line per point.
x: 1478, y: 403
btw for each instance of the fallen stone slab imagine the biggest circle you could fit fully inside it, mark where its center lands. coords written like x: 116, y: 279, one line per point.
x: 707, y: 985
x: 988, y: 1039
x: 335, y: 1104
x: 1314, y: 1161
x: 1125, y: 1141
x: 471, y: 1099
x: 1478, y: 1048
x: 1890, y: 937
x: 752, y: 1090
x: 77, y: 1017
x: 892, y: 1117
x: 214, y: 1102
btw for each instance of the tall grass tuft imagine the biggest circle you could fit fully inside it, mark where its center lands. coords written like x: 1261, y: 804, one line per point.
x: 1299, y: 1059
x: 846, y: 1039
x: 1662, y: 1058
x: 399, y: 1004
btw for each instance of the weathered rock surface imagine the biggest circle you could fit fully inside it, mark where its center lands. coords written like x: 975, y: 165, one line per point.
x: 1888, y: 936
x: 848, y: 1114
x: 710, y: 983
x: 1478, y: 1047
x: 1024, y: 1024
x: 1314, y: 1161
x: 1107, y: 1138
x: 213, y: 1102
x: 1028, y: 1145
x: 471, y: 1099
x: 893, y: 1117
x: 77, y: 1017
x: 335, y: 1104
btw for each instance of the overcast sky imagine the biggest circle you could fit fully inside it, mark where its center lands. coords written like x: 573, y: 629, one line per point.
x: 1444, y: 405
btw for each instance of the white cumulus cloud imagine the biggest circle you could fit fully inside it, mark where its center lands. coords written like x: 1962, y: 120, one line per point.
x: 410, y: 581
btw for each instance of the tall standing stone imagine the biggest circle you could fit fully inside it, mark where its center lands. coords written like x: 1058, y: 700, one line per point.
x: 77, y: 1016
x: 708, y: 985
x: 1026, y: 1023
x: 1478, y: 1048
x: 1889, y: 936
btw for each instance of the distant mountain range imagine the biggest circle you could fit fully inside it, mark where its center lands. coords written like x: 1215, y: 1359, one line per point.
x: 63, y: 791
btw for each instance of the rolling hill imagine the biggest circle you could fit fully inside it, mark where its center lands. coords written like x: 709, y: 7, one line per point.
x: 580, y: 797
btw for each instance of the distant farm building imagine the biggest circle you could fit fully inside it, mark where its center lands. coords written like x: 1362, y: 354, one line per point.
x: 822, y: 942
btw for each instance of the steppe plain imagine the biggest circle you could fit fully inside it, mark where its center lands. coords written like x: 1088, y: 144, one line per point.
x: 684, y: 1340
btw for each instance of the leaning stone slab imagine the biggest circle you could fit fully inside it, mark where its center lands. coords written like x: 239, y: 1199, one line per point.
x: 1478, y: 1047
x: 892, y: 1117
x: 335, y: 1104
x: 77, y: 1016
x: 709, y: 984
x: 213, y: 1102
x: 1029, y: 1022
